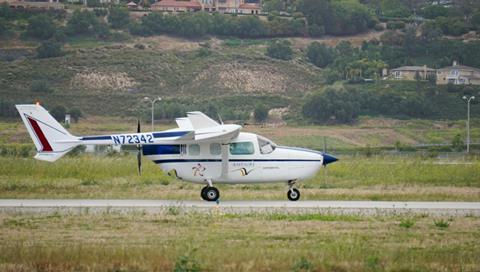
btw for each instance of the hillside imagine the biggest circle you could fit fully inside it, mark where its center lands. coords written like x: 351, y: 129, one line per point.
x: 119, y: 75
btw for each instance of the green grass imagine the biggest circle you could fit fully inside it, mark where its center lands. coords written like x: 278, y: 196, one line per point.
x: 215, y: 242
x: 352, y: 178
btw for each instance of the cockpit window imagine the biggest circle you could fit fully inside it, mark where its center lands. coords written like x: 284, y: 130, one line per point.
x: 242, y: 148
x: 266, y: 146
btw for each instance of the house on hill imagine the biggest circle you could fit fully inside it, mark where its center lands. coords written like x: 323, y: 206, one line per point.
x: 31, y: 4
x: 458, y: 75
x: 177, y: 5
x: 223, y: 6
x: 412, y: 73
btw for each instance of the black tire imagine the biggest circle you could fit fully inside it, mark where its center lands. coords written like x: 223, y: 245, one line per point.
x: 211, y: 194
x: 203, y: 193
x: 293, y: 194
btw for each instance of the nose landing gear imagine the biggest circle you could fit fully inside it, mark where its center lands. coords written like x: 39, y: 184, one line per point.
x: 293, y: 194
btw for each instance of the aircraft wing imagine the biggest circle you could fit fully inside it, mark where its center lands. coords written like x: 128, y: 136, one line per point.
x: 205, y: 129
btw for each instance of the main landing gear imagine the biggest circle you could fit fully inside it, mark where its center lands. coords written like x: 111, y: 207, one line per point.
x: 210, y: 193
x: 293, y: 194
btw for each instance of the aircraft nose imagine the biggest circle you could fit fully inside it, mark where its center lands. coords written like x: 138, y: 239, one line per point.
x: 328, y: 159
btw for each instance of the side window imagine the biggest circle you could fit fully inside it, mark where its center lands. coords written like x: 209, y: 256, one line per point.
x: 242, y: 148
x: 215, y: 149
x: 194, y: 150
x: 163, y: 149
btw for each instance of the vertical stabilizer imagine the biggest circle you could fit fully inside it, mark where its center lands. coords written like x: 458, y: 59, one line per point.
x: 51, y: 139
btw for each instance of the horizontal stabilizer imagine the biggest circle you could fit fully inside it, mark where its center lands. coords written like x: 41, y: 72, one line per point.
x: 184, y: 123
x: 199, y: 120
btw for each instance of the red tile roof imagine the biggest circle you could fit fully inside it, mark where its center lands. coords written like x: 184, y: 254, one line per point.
x: 250, y: 6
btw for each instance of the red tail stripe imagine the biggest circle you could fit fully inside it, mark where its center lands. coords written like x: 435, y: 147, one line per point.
x: 46, y: 145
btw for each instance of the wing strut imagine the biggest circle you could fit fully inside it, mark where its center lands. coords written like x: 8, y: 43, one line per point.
x: 225, y: 158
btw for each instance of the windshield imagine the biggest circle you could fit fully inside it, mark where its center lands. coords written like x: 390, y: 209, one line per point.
x: 266, y: 146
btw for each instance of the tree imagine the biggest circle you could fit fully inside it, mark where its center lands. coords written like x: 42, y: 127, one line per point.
x: 250, y: 26
x: 273, y: 5
x: 40, y: 86
x: 331, y: 106
x: 434, y: 11
x: 5, y: 11
x: 260, y: 113
x: 82, y: 22
x: 457, y: 143
x: 75, y: 114
x: 58, y: 112
x: 317, y: 12
x: 476, y: 20
x: 118, y: 17
x: 41, y: 27
x: 49, y: 49
x: 319, y: 54
x: 280, y: 49
x: 3, y: 26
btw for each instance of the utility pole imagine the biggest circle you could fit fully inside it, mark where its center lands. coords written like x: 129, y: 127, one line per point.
x: 153, y: 105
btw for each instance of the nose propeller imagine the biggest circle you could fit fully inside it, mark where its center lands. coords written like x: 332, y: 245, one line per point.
x: 139, y: 152
x: 328, y: 159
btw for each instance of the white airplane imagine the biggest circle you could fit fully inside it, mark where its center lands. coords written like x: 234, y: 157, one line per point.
x: 200, y: 150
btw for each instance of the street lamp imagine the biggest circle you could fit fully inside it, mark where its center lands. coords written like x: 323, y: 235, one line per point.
x: 153, y: 105
x: 468, y: 99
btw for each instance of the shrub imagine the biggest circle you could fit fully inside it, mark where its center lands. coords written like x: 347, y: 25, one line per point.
x: 457, y: 143
x: 406, y: 223
x: 319, y: 54
x: 75, y: 114
x: 395, y: 25
x: 452, y: 26
x: 41, y: 27
x: 100, y: 12
x: 303, y: 265
x: 260, y: 113
x: 82, y: 22
x: 316, y: 30
x: 16, y: 150
x: 379, y: 27
x: 118, y: 17
x: 58, y: 112
x: 40, y: 86
x: 280, y: 50
x: 49, y: 49
x: 441, y: 224
x: 186, y: 263
x: 331, y: 106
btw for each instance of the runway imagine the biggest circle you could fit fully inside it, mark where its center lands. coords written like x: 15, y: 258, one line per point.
x: 185, y: 206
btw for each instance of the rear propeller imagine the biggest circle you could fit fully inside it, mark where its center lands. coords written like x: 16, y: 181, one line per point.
x: 139, y: 152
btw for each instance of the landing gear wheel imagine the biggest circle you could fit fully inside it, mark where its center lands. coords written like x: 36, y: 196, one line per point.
x: 203, y: 193
x: 293, y: 194
x: 210, y: 194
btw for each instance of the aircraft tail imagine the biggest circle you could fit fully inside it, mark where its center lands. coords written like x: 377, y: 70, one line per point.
x: 51, y: 139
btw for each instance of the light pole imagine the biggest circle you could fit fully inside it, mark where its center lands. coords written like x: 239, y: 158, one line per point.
x: 468, y: 99
x: 153, y: 105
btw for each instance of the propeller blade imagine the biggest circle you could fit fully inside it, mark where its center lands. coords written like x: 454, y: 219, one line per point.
x: 324, y: 144
x: 139, y: 161
x: 139, y: 152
